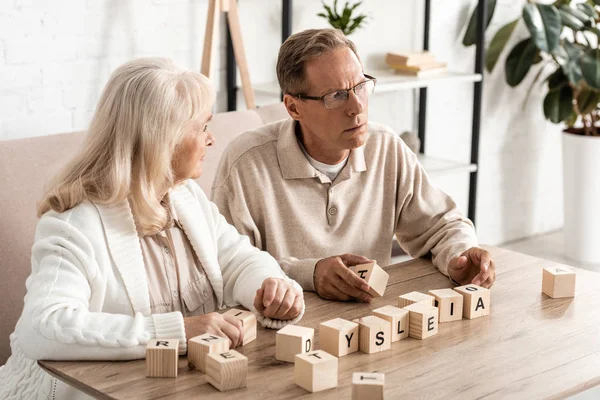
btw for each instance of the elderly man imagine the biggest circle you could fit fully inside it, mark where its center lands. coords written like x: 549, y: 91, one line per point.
x: 327, y: 181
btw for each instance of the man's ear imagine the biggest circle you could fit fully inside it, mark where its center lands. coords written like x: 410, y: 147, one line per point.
x: 291, y: 106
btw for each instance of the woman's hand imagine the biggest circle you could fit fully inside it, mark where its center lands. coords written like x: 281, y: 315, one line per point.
x: 278, y: 299
x: 217, y: 324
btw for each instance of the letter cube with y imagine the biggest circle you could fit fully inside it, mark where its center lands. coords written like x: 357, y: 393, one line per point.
x: 316, y: 370
x: 291, y: 340
x: 338, y: 337
x: 423, y: 320
x: 476, y: 301
x: 374, y: 334
x: 375, y: 277
x: 162, y: 357
x: 200, y: 346
x: 227, y: 370
x: 449, y: 304
x: 558, y: 282
x: 415, y: 297
x: 397, y: 317
x: 248, y: 323
x: 367, y: 386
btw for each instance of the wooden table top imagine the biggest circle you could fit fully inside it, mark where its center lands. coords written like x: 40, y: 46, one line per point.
x: 530, y: 346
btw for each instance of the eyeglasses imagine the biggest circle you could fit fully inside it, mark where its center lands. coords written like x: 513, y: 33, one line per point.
x: 338, y: 98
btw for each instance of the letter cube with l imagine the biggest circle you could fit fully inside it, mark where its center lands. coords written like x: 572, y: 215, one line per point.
x: 415, y: 297
x: 200, y: 346
x: 374, y: 334
x: 338, y: 337
x: 291, y: 340
x: 316, y: 371
x: 476, y: 301
x: 162, y: 358
x: 558, y: 282
x: 397, y: 317
x: 248, y: 323
x: 449, y: 304
x: 375, y: 277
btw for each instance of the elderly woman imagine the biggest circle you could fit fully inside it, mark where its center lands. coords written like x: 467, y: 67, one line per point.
x: 128, y: 248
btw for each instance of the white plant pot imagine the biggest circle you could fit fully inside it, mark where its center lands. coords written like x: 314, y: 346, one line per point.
x: 581, y: 176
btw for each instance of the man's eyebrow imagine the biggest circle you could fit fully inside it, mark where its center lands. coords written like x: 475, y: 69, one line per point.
x: 359, y: 81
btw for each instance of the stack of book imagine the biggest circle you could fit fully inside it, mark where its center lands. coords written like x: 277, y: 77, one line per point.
x: 414, y: 64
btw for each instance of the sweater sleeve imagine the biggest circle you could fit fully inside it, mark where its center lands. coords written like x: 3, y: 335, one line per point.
x: 57, y: 323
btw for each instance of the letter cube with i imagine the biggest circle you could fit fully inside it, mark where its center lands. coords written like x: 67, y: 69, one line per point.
x: 449, y: 304
x: 338, y: 337
x: 423, y: 320
x: 227, y: 370
x: 476, y: 301
x: 415, y: 297
x: 291, y: 340
x: 558, y: 282
x: 375, y: 277
x: 162, y: 357
x: 397, y: 317
x: 374, y: 334
x: 316, y: 370
x: 248, y: 323
x: 367, y: 386
x: 200, y: 346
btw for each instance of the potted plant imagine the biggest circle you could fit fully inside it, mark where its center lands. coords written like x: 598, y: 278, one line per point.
x: 343, y: 20
x: 563, y: 47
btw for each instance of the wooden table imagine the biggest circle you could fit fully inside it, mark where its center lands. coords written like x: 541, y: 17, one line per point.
x: 530, y: 347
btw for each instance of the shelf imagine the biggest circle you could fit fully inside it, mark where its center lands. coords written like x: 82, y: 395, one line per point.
x: 389, y: 81
x: 438, y: 167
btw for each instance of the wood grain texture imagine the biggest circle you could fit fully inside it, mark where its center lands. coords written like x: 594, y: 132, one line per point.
x: 530, y: 346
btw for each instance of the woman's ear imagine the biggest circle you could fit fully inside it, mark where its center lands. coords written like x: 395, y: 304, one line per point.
x: 291, y: 106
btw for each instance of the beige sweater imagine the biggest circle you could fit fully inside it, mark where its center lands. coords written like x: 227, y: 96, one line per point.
x: 267, y: 189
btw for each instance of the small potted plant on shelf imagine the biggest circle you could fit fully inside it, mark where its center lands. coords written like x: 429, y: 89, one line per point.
x: 563, y: 47
x: 343, y: 20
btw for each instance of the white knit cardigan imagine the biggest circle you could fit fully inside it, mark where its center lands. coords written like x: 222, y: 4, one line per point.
x: 87, y: 295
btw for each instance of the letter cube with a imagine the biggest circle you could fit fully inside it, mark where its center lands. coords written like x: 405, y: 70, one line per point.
x: 476, y: 301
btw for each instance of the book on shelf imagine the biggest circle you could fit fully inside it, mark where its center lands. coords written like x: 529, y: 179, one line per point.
x: 412, y: 59
x: 419, y: 68
x: 421, y: 73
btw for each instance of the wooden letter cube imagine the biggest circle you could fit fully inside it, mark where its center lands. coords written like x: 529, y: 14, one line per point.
x: 200, y: 346
x: 375, y: 277
x: 291, y: 340
x: 397, y: 317
x: 367, y: 386
x: 162, y: 357
x: 316, y: 370
x: 248, y: 322
x: 374, y: 334
x: 227, y: 370
x: 415, y: 297
x: 338, y: 337
x: 449, y: 304
x: 423, y: 320
x: 558, y: 282
x: 476, y: 301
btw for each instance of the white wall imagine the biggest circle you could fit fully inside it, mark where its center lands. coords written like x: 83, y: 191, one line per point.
x: 55, y: 57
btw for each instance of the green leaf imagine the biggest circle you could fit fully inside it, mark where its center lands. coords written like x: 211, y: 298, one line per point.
x: 543, y: 22
x: 498, y: 44
x: 597, y: 2
x: 519, y: 61
x: 471, y: 33
x: 587, y: 100
x: 570, y: 21
x: 594, y: 30
x: 573, y: 66
x: 588, y: 9
x: 558, y: 104
x: 580, y: 15
x: 590, y: 68
x: 355, y: 24
x: 557, y: 79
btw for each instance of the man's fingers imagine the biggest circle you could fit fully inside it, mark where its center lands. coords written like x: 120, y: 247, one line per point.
x: 484, y: 268
x: 258, y: 300
x: 334, y: 293
x: 458, y: 263
x: 271, y: 310
x: 286, y: 304
x: 269, y: 291
x: 353, y: 279
x: 352, y: 259
x: 352, y: 291
x: 296, y: 308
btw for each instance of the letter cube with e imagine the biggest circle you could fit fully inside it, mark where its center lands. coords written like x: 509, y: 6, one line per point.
x: 200, y: 346
x: 248, y: 323
x: 476, y: 301
x: 367, y: 386
x: 162, y: 358
x: 397, y: 317
x: 415, y: 297
x: 375, y: 277
x: 423, y: 320
x: 449, y: 304
x: 374, y: 334
x: 227, y: 370
x: 291, y: 340
x: 338, y: 337
x: 558, y: 282
x: 316, y: 371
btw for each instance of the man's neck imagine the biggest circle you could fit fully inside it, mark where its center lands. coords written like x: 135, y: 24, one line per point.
x: 319, y: 152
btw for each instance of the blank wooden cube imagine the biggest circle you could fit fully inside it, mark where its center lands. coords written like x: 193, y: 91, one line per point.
x: 449, y: 304
x: 423, y: 320
x: 248, y: 323
x: 476, y: 301
x: 375, y: 277
x: 200, y: 346
x: 374, y: 334
x: 316, y: 370
x: 398, y: 319
x: 291, y: 340
x: 162, y: 356
x: 367, y: 386
x: 415, y: 297
x: 227, y: 370
x: 558, y: 282
x: 338, y: 337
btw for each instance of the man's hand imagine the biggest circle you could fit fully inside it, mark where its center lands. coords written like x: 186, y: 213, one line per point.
x: 334, y: 281
x: 217, y: 324
x: 278, y: 299
x: 473, y: 266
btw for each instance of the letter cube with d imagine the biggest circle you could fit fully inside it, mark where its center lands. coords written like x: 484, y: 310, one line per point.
x: 291, y: 340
